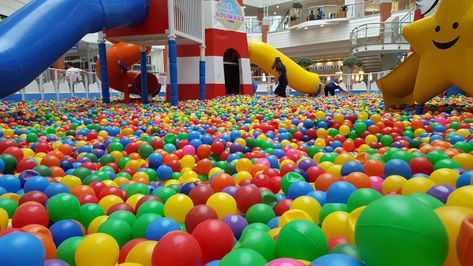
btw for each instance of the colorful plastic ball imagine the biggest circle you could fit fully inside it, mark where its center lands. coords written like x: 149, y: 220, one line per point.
x: 97, y: 249
x: 299, y: 188
x: 393, y: 183
x: 30, y: 213
x: 221, y: 181
x: 55, y: 262
x: 397, y: 167
x: 339, y: 192
x: 141, y: 253
x: 200, y: 194
x: 247, y: 196
x: 243, y: 257
x: 141, y: 224
x: 329, y: 208
x: 403, y: 225
x: 301, y: 240
x: 215, y: 238
x: 288, y: 179
x: 461, y: 197
x: 10, y: 163
x: 359, y: 180
x: 464, y: 241
x: 259, y: 241
x: 337, y: 260
x: 223, y: 204
x: 421, y: 165
x: 120, y: 230
x: 417, y: 185
x: 177, y: 207
x: 164, y: 172
x: 427, y: 199
x: 324, y: 181
x: 452, y: 218
x: 236, y: 223
x: 334, y: 224
x: 362, y: 197
x: 177, y: 248
x: 3, y: 219
x: 259, y: 213
x: 65, y: 229
x: 8, y: 205
x: 308, y: 205
x: 44, y: 235
x: 445, y: 176
x: 465, y: 160
x: 285, y: 262
x: 441, y: 192
x: 20, y: 248
x: 63, y: 206
x: 10, y: 183
x: 164, y: 193
x: 464, y: 179
x: 151, y: 206
x: 160, y: 227
x: 351, y: 167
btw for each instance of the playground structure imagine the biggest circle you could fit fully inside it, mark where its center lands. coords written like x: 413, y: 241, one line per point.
x: 206, y: 60
x: 443, y: 45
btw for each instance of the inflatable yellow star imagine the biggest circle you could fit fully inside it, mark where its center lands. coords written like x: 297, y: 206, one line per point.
x: 444, y: 42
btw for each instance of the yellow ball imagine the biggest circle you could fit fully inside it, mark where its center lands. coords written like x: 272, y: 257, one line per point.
x: 293, y: 215
x: 417, y: 185
x: 13, y: 196
x: 134, y: 164
x: 344, y: 130
x: 392, y: 183
x: 187, y: 161
x: 274, y: 232
x: 223, y: 204
x: 326, y: 165
x: 80, y: 143
x: 363, y: 115
x: 465, y: 160
x: 96, y: 223
x: 3, y: 219
x: 140, y: 175
x: 461, y: 197
x: 117, y: 155
x: 108, y: 201
x: 338, y: 118
x: 445, y: 176
x: 334, y: 224
x: 243, y: 164
x: 463, y: 132
x: 189, y: 176
x: 320, y: 143
x: 335, y: 169
x: 102, y: 134
x: 322, y: 133
x: 320, y: 115
x: 133, y: 200
x: 27, y: 153
x: 177, y: 207
x: 71, y: 181
x: 344, y: 158
x: 317, y: 156
x: 371, y: 139
x: 215, y: 170
x: 419, y: 132
x: 110, y: 183
x: 241, y: 141
x: 142, y: 253
x: 121, y: 180
x: 363, y: 148
x: 308, y: 204
x: 242, y: 176
x: 97, y: 249
x: 351, y: 223
x: 171, y: 182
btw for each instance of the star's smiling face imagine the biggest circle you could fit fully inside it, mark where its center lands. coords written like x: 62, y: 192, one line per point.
x: 448, y: 44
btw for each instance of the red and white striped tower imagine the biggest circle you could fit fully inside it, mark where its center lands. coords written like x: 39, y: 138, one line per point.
x: 224, y: 30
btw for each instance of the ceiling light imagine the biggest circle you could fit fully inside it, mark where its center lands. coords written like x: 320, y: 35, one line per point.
x: 274, y: 13
x: 322, y: 25
x: 277, y: 6
x: 305, y: 28
x: 244, y: 7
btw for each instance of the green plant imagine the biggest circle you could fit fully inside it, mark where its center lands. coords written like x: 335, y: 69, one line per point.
x: 344, y: 8
x: 304, y: 62
x: 297, y: 5
x: 352, y: 61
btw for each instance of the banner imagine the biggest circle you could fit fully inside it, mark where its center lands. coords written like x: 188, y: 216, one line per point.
x: 228, y: 15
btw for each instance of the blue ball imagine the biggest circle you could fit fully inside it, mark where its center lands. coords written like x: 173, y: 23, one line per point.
x: 56, y: 188
x: 2, y: 166
x: 351, y: 167
x: 299, y: 188
x: 398, y: 167
x: 339, y: 192
x: 65, y: 229
x: 10, y: 183
x: 164, y: 172
x: 2, y: 191
x: 318, y: 195
x: 308, y: 123
x: 213, y: 263
x: 159, y: 227
x: 337, y: 260
x: 186, y: 189
x: 273, y: 223
x: 20, y: 248
x: 36, y: 183
x: 465, y: 179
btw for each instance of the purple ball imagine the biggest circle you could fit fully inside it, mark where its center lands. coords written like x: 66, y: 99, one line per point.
x: 99, y: 146
x: 84, y: 160
x: 231, y: 190
x: 237, y: 223
x: 97, y: 152
x: 441, y: 192
x: 25, y: 175
x: 306, y: 163
x: 51, y: 138
x: 55, y: 262
x: 236, y: 147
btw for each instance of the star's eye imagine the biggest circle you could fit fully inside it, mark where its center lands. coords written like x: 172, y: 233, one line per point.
x: 455, y: 25
x: 437, y: 29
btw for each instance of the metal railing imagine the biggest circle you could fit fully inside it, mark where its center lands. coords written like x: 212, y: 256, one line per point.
x: 378, y: 34
x: 186, y: 19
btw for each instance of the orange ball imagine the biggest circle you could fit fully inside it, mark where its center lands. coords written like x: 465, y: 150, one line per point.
x: 65, y: 149
x: 50, y: 160
x: 324, y: 181
x: 204, y: 166
x: 82, y: 190
x: 203, y: 151
x: 221, y: 181
x: 258, y: 167
x: 374, y: 168
x: 57, y: 171
x: 57, y: 154
x: 46, y: 238
x: 359, y: 180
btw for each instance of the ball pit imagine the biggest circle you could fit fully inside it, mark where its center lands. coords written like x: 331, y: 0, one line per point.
x: 238, y: 180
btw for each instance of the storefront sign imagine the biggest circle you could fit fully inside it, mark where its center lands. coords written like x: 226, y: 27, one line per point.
x: 326, y: 67
x: 230, y: 14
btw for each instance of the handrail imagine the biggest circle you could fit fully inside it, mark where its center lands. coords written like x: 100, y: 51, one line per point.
x: 378, y: 33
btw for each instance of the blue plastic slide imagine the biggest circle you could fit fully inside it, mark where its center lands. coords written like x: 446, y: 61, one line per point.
x: 43, y: 30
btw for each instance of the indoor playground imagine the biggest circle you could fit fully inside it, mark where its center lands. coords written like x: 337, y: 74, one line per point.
x: 236, y: 133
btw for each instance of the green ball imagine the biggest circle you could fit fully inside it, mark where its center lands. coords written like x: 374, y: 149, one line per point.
x: 462, y: 145
x: 170, y: 138
x: 137, y: 188
x: 435, y: 156
x: 346, y: 249
x: 122, y: 162
x: 268, y: 198
x: 81, y: 172
x: 67, y: 249
x: 92, y: 178
x: 447, y: 163
x: 399, y: 230
x: 164, y: 193
x: 328, y: 208
x: 115, y: 146
x: 289, y: 179
x: 151, y: 206
x: 427, y: 199
x: 125, y: 175
x: 118, y: 229
x: 243, y: 257
x: 312, y: 150
x: 63, y: 206
x: 256, y: 226
x: 259, y: 213
x: 9, y: 206
x: 91, y: 156
x: 88, y: 212
x: 10, y: 163
x: 145, y: 150
x: 150, y: 172
x: 362, y: 197
x: 301, y: 239
x: 259, y: 241
x: 139, y: 227
x: 43, y: 170
x: 329, y: 157
x: 125, y: 216
x: 386, y: 140
x: 31, y: 137
x: 106, y: 158
x: 360, y: 127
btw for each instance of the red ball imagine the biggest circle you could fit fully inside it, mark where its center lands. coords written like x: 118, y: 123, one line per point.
x: 247, y: 196
x: 145, y: 199
x: 282, y: 206
x: 25, y: 164
x: 261, y: 180
x: 127, y: 247
x: 197, y: 215
x: 87, y: 198
x: 200, y: 194
x: 120, y: 206
x: 421, y: 165
x: 217, y: 147
x: 324, y: 181
x: 215, y: 238
x: 221, y: 181
x: 359, y: 180
x: 132, y: 147
x: 178, y: 249
x: 314, y: 172
x: 15, y: 152
x: 335, y: 241
x: 43, y: 147
x: 97, y: 187
x: 112, y: 191
x: 30, y: 213
x: 275, y: 184
x: 33, y: 196
x: 4, y: 144
x: 287, y: 168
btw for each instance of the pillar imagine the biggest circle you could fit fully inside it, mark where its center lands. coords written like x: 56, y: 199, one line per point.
x: 144, y: 75
x: 264, y: 28
x: 202, y: 92
x: 173, y: 70
x: 385, y: 7
x: 103, y: 68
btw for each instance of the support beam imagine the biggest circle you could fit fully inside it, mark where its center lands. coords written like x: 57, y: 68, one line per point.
x: 103, y: 68
x: 173, y: 70
x: 202, y: 91
x: 144, y: 75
